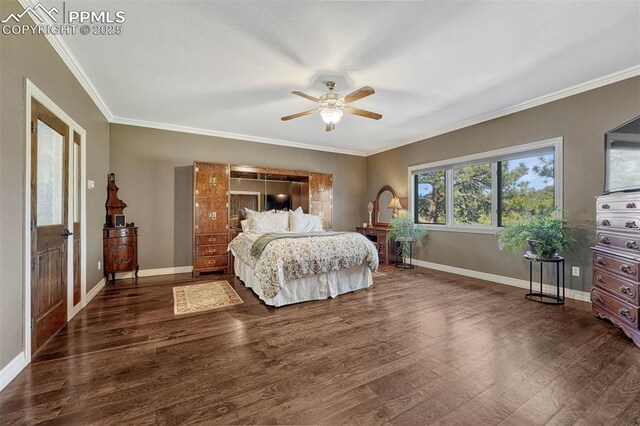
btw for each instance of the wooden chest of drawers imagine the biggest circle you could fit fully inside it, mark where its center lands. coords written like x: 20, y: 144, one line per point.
x: 616, y: 260
x: 386, y: 249
x: 120, y: 250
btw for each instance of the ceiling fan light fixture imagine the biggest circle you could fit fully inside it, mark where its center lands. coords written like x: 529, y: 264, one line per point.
x: 331, y: 115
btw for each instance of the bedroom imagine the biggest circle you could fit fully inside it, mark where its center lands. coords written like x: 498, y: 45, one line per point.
x: 453, y: 340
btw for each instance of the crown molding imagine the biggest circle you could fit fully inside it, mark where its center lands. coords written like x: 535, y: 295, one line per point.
x: 74, y: 66
x: 237, y: 136
x: 545, y: 99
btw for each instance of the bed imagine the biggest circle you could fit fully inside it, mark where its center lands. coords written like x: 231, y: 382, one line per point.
x: 291, y: 267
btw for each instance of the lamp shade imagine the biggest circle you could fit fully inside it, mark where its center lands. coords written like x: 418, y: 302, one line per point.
x: 395, y: 203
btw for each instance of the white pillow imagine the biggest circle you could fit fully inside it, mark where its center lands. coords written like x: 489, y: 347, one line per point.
x: 270, y: 222
x: 301, y: 222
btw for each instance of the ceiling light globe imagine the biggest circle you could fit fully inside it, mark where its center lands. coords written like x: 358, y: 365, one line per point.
x: 331, y: 115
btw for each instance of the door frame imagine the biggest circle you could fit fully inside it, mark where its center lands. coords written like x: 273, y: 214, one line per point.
x: 32, y: 91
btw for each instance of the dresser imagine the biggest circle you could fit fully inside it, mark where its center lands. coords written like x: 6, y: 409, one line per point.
x: 210, y: 218
x: 120, y: 250
x: 386, y: 249
x: 616, y: 260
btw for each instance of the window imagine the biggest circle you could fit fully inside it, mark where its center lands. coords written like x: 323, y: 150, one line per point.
x: 489, y: 190
x: 472, y: 195
x: 430, y: 196
x: 526, y: 188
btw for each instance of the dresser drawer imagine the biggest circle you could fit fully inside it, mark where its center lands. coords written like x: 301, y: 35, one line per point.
x: 625, y: 312
x: 619, y: 223
x: 212, y: 262
x: 625, y: 289
x: 628, y: 243
x: 212, y: 239
x: 371, y: 232
x: 120, y: 232
x: 626, y: 204
x: 213, y: 250
x: 624, y: 268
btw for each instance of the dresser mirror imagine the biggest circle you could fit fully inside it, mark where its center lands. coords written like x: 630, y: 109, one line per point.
x: 382, y: 215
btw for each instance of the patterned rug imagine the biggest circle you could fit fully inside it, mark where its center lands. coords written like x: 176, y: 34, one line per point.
x: 196, y: 298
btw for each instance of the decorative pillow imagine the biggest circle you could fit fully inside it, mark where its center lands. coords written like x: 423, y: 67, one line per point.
x: 245, y: 225
x: 301, y: 222
x: 271, y: 222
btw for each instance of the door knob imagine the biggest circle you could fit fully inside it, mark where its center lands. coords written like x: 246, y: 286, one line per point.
x: 65, y: 234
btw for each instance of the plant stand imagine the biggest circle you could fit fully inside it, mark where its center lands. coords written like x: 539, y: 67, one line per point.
x: 401, y: 261
x: 540, y: 296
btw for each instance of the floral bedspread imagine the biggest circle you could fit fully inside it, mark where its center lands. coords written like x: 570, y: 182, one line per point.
x: 287, y: 259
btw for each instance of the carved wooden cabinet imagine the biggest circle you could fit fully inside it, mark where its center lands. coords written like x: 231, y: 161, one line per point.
x: 210, y: 217
x: 119, y: 243
x: 321, y: 197
x: 120, y: 250
x: 386, y: 249
x: 616, y: 261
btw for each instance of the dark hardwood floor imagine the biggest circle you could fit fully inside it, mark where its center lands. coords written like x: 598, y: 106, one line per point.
x: 419, y: 347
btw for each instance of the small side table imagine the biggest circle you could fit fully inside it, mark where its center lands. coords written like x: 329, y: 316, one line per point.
x: 401, y: 262
x: 540, y: 296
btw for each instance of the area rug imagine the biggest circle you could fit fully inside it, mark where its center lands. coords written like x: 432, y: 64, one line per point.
x: 378, y: 274
x: 202, y: 297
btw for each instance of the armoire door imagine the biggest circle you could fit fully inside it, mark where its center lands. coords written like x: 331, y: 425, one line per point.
x: 321, y: 197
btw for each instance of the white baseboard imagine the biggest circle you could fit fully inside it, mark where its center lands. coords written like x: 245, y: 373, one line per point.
x: 499, y: 279
x: 94, y: 291
x: 11, y: 370
x: 155, y: 272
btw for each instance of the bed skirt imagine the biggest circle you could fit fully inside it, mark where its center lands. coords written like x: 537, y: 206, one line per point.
x: 316, y: 287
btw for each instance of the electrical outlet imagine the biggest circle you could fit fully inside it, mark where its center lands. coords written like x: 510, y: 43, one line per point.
x: 575, y: 271
x: 91, y: 184
x: 99, y: 265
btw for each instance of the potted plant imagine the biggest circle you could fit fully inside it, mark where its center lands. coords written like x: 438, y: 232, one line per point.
x: 545, y: 236
x: 404, y: 231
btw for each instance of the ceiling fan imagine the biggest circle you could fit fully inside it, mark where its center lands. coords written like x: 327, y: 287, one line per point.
x: 333, y: 105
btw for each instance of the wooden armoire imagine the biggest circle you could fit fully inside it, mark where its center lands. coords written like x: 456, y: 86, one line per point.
x: 210, y: 217
x: 212, y: 226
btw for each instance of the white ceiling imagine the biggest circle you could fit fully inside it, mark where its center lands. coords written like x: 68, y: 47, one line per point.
x: 230, y: 66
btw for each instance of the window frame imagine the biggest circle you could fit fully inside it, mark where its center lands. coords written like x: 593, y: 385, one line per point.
x: 503, y: 154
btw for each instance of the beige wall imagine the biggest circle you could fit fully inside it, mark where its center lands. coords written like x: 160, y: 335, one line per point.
x: 581, y: 119
x: 154, y: 170
x: 34, y: 58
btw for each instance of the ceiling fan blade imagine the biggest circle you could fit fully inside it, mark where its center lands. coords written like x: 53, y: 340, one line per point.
x: 300, y: 114
x: 363, y: 113
x: 359, y: 94
x: 329, y: 127
x: 304, y: 95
